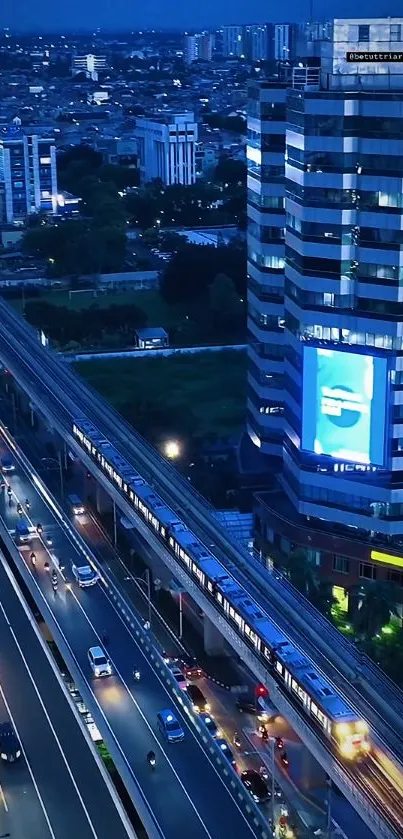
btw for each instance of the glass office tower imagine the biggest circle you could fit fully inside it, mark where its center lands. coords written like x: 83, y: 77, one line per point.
x: 266, y: 224
x: 340, y: 494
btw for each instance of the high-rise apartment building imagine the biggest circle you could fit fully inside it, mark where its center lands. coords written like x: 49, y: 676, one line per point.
x: 340, y: 494
x: 89, y: 64
x: 167, y: 146
x: 284, y: 41
x: 233, y: 41
x: 258, y: 41
x: 27, y: 172
x: 198, y: 47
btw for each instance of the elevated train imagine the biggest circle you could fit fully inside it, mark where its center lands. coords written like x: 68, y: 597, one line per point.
x: 293, y: 671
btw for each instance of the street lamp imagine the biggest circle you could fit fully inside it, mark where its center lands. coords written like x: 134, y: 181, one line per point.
x: 172, y: 449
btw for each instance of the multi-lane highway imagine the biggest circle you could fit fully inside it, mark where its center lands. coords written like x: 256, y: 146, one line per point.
x: 101, y: 548
x: 59, y: 392
x: 57, y: 789
x: 185, y: 788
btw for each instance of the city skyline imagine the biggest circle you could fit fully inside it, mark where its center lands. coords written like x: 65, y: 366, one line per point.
x: 113, y: 15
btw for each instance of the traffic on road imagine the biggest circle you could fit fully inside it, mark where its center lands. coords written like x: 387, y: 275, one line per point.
x: 106, y: 649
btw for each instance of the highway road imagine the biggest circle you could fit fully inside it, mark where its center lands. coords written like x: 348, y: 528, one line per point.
x: 60, y: 392
x: 186, y: 788
x: 56, y: 790
x: 222, y: 702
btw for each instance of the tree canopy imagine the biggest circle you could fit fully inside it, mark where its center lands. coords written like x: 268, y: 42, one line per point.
x: 191, y: 271
x: 90, y: 327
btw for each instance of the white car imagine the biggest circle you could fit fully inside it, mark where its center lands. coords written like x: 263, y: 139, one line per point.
x: 100, y: 664
x: 85, y: 575
x: 178, y: 676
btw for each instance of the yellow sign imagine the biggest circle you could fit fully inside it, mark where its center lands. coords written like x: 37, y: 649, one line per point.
x: 389, y: 559
x: 340, y: 595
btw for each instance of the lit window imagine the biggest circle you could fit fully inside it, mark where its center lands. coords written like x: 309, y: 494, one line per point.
x: 46, y: 194
x: 45, y: 161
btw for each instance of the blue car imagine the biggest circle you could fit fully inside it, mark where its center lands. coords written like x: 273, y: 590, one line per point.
x: 226, y: 751
x: 210, y: 724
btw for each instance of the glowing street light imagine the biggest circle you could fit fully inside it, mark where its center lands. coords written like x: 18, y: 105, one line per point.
x: 172, y: 449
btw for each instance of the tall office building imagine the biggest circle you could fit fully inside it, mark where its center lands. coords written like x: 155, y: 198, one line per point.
x: 27, y: 172
x: 340, y: 495
x: 198, y: 47
x: 89, y: 64
x: 266, y: 223
x: 257, y: 41
x: 167, y: 146
x: 233, y: 41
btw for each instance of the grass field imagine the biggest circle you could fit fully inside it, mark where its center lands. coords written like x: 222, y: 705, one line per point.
x: 158, y: 312
x: 212, y: 385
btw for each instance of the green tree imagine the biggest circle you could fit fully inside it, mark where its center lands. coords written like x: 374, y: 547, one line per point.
x: 302, y: 573
x: 225, y: 304
x: 371, y: 606
x: 322, y: 597
x: 193, y: 268
x: 141, y: 208
x: 229, y: 171
x: 121, y: 176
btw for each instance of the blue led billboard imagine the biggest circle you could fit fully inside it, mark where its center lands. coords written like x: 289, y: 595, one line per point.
x: 344, y: 405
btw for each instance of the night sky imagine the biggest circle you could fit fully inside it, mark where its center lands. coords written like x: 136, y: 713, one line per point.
x: 59, y: 15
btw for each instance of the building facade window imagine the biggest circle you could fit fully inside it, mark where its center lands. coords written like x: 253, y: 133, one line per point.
x: 341, y: 564
x: 367, y: 571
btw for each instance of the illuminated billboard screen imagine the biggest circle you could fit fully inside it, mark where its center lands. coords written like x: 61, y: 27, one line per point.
x: 344, y: 405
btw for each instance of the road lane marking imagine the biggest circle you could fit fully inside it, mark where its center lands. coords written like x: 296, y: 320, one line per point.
x: 40, y: 799
x: 180, y: 710
x: 66, y: 530
x: 3, y: 798
x: 137, y: 706
x: 51, y: 728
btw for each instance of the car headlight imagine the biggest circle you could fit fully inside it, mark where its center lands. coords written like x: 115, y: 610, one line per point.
x: 255, y: 797
x: 97, y: 671
x: 18, y: 754
x: 207, y: 706
x: 4, y: 756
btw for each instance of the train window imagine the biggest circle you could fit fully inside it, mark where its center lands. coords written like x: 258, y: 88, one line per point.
x: 279, y: 667
x: 294, y: 686
x: 163, y: 532
x: 220, y: 598
x: 314, y: 709
x: 301, y: 694
x: 199, y: 574
x: 231, y: 612
x: 238, y: 620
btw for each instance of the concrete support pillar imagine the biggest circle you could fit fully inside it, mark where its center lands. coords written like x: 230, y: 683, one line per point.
x: 214, y: 643
x: 313, y: 775
x: 103, y: 501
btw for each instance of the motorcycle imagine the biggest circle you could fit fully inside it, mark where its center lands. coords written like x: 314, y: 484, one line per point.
x: 237, y: 740
x: 136, y: 674
x: 152, y: 760
x: 284, y: 759
x: 33, y: 559
x: 279, y: 743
